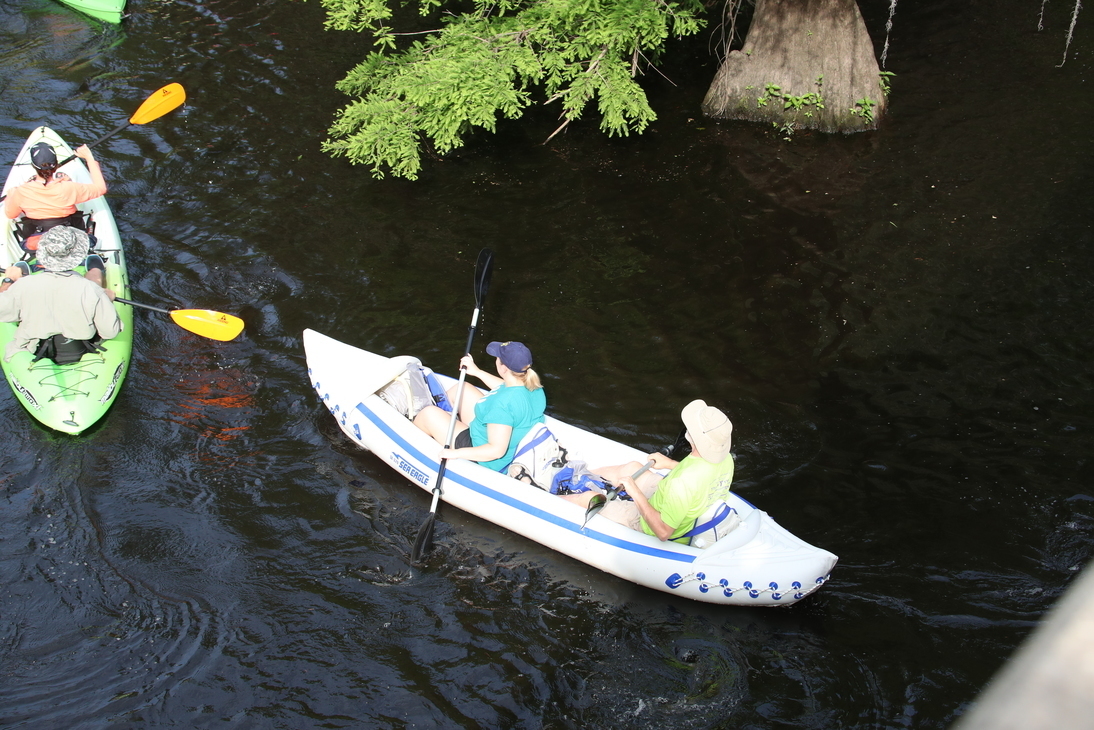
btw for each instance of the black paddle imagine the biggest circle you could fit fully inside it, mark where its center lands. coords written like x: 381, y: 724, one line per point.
x: 424, y: 542
x: 679, y: 449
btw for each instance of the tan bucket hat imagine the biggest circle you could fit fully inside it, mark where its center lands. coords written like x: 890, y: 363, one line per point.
x: 710, y: 430
x: 62, y: 248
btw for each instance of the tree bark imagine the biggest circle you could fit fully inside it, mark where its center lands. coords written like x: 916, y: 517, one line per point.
x: 805, y: 64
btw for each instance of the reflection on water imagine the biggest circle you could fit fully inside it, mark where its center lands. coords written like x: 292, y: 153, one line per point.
x: 210, y: 401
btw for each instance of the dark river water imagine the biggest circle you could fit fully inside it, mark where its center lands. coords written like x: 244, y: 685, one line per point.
x: 898, y: 323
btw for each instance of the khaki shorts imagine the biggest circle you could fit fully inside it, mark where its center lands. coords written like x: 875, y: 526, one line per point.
x: 624, y: 512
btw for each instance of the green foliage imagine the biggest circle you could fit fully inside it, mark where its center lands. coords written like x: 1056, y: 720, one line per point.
x: 784, y: 130
x: 864, y: 108
x: 805, y: 104
x: 491, y: 60
x: 884, y: 79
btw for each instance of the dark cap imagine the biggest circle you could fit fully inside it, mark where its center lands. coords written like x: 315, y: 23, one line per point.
x: 43, y: 156
x: 513, y: 355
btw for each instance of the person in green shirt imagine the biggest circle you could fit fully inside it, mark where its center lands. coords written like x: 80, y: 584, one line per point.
x: 668, y: 508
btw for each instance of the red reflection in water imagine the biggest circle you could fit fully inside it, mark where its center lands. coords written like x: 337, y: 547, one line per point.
x: 218, y: 404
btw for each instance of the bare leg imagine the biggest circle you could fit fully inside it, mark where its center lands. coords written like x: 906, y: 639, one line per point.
x: 611, y: 473
x: 434, y: 421
x: 618, y: 510
x: 647, y: 482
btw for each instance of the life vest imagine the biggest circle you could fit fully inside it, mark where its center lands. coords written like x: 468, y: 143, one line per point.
x: 31, y: 229
x: 715, y: 523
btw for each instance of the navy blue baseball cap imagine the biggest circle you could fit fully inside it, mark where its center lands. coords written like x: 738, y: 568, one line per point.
x: 43, y: 158
x: 513, y: 355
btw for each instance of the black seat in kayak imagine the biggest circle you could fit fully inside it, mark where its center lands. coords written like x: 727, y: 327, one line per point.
x: 63, y: 351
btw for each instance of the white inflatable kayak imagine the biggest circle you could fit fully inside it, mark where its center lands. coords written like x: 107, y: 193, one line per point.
x: 759, y: 563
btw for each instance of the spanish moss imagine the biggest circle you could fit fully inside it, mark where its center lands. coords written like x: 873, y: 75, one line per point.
x: 888, y: 29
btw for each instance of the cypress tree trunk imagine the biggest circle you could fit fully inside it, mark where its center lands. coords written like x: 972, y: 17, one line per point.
x: 805, y: 64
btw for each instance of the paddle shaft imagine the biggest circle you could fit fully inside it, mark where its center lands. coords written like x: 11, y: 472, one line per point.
x: 105, y: 137
x: 131, y: 303
x: 613, y: 492
x: 424, y: 541
x: 455, y: 408
x: 455, y: 415
x: 160, y: 102
x: 110, y: 134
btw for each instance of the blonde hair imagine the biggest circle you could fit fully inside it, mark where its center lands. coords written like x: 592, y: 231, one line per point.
x: 530, y: 378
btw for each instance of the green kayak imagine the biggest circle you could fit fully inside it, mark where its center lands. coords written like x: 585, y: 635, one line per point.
x: 72, y: 397
x: 106, y: 10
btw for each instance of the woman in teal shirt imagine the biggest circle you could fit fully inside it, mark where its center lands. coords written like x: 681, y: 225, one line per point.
x: 500, y: 417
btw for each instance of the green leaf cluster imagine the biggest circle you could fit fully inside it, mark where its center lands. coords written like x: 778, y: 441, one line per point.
x: 491, y: 60
x: 807, y: 102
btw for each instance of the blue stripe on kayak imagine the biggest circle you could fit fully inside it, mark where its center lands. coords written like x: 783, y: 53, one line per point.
x: 516, y: 503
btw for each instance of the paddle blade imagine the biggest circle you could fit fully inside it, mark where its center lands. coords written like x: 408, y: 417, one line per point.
x: 596, y: 503
x: 681, y: 448
x: 424, y: 542
x: 167, y: 99
x: 483, y: 268
x: 207, y: 323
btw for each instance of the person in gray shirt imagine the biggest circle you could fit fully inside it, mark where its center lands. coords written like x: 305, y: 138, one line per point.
x: 59, y: 301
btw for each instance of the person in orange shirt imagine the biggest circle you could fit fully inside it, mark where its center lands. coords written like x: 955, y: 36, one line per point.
x: 50, y: 197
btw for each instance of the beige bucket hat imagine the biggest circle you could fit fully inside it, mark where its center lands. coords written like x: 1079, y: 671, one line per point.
x: 709, y: 429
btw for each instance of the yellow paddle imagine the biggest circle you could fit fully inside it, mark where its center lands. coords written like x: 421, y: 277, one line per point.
x: 204, y: 322
x: 161, y: 101
x: 164, y: 100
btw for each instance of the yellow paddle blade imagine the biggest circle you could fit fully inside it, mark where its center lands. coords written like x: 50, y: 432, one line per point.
x: 168, y: 98
x: 207, y: 323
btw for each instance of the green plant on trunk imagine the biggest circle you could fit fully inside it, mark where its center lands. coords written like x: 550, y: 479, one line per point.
x: 805, y: 103
x: 864, y: 108
x: 884, y: 79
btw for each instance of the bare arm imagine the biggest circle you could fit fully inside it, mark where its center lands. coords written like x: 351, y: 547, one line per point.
x: 660, y: 528
x: 12, y: 272
x: 490, y: 380
x: 12, y: 208
x: 97, y: 179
